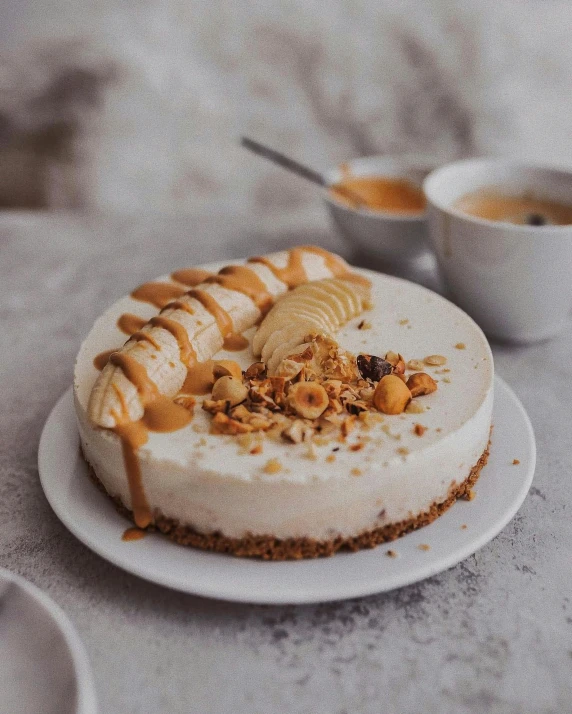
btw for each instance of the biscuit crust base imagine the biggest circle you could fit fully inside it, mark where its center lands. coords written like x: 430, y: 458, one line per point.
x: 267, y: 547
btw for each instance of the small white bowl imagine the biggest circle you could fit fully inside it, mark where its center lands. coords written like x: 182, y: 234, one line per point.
x: 391, y: 237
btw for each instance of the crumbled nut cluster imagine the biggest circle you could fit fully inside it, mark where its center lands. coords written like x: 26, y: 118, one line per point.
x: 318, y: 395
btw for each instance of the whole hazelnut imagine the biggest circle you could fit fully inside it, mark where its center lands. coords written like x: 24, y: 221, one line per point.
x: 391, y: 395
x: 308, y: 399
x: 229, y: 389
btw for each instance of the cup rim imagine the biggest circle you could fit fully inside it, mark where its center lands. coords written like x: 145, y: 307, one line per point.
x: 411, y: 160
x: 428, y: 190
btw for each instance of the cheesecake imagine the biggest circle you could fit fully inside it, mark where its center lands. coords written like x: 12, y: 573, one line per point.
x: 288, y: 406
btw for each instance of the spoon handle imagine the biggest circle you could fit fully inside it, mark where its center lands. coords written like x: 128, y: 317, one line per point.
x: 284, y: 161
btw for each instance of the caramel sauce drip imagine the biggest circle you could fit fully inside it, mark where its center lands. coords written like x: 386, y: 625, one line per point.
x: 158, y: 294
x: 235, y: 342
x: 100, y: 360
x: 133, y: 534
x: 191, y: 276
x: 200, y: 379
x: 163, y: 415
x: 180, y: 305
x: 133, y: 435
x: 293, y: 273
x: 188, y: 354
x: 246, y: 281
x: 145, y: 337
x: 137, y: 375
x: 357, y: 279
x: 130, y: 324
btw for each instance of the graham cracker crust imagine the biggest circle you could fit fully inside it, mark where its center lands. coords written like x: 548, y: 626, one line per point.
x: 268, y: 547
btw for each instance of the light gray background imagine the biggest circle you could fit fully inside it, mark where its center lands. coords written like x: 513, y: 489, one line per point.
x: 493, y: 634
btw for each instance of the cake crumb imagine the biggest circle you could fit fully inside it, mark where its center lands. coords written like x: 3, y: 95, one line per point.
x: 391, y: 553
x: 470, y: 495
x: 414, y: 408
x: 515, y: 462
x: 424, y: 546
x: 272, y: 466
x: 357, y: 447
x: 256, y: 449
x: 364, y: 325
x: 404, y: 321
x: 464, y: 527
x: 403, y: 450
x: 419, y: 429
x: 356, y: 472
x: 331, y: 458
x: 460, y: 346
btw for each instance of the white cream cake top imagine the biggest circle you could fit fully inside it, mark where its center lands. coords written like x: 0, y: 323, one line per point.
x: 405, y: 318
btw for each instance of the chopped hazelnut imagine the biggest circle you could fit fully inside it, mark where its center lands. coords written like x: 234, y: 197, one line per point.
x: 226, y: 367
x: 416, y: 365
x: 420, y: 384
x: 419, y: 429
x: 435, y: 360
x: 460, y: 346
x: 272, y: 466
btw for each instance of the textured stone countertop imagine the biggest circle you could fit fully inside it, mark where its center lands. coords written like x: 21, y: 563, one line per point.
x: 493, y: 634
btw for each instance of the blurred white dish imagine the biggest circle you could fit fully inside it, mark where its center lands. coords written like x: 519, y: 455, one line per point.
x: 514, y: 280
x: 91, y: 517
x: 392, y: 237
x: 43, y: 666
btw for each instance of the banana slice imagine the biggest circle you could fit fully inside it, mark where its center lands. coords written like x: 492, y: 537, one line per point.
x: 322, y: 306
x: 155, y: 360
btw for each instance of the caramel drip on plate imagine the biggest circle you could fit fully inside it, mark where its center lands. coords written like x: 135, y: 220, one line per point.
x: 246, y: 281
x: 130, y: 324
x: 191, y: 276
x: 158, y: 294
x: 145, y: 337
x: 100, y: 360
x: 133, y: 534
x: 188, y: 354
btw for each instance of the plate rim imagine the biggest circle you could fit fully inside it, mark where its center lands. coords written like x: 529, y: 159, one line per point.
x: 86, y: 693
x: 307, y: 596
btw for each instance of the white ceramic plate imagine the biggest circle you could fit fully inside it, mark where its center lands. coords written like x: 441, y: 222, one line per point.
x: 43, y: 665
x: 92, y: 518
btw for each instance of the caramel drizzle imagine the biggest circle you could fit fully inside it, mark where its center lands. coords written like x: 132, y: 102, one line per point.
x: 188, y: 354
x: 129, y: 324
x: 158, y: 294
x: 100, y: 360
x: 293, y: 273
x: 221, y: 316
x: 244, y: 280
x: 191, y: 276
x: 145, y: 337
x: 179, y: 305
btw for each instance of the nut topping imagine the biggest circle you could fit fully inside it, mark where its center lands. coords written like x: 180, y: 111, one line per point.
x: 372, y: 367
x: 229, y: 389
x: 391, y: 395
x: 435, y: 360
x: 420, y: 384
x: 308, y: 399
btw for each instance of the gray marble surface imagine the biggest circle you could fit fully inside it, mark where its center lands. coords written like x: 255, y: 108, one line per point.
x: 493, y: 634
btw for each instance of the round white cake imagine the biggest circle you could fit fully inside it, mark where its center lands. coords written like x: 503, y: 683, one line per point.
x: 269, y: 497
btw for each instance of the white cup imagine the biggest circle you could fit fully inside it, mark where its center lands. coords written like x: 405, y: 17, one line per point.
x: 391, y: 237
x: 515, y: 280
